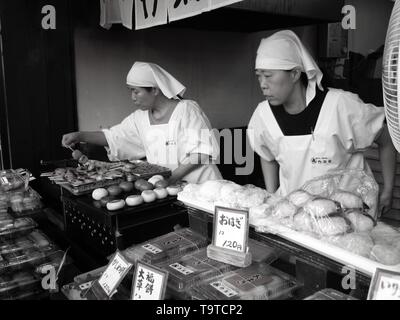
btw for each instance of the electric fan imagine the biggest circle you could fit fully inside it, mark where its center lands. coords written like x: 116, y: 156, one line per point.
x: 391, y: 76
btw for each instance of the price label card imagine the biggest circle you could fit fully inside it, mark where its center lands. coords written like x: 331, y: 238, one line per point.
x: 149, y: 283
x: 385, y: 285
x: 231, y: 229
x: 115, y: 272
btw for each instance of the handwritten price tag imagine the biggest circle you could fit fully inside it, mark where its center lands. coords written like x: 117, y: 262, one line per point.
x: 149, y: 283
x: 231, y: 229
x: 385, y: 285
x: 114, y: 274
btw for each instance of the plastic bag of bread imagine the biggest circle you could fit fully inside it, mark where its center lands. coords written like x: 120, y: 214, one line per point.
x: 250, y: 196
x: 302, y: 221
x: 355, y: 181
x: 330, y: 226
x: 384, y: 234
x: 210, y: 190
x: 348, y: 200
x: 386, y: 254
x: 360, y: 221
x: 299, y: 197
x: 357, y: 243
x: 321, y: 207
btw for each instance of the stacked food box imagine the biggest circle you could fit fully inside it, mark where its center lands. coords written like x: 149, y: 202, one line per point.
x: 24, y: 249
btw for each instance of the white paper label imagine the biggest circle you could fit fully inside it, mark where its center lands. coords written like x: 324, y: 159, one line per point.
x: 149, y: 283
x: 150, y: 13
x: 180, y: 268
x: 231, y: 230
x: 388, y: 288
x: 153, y: 249
x: 181, y: 9
x: 228, y: 292
x: 114, y: 274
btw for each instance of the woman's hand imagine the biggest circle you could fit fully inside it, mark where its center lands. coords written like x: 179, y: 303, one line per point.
x: 70, y: 139
x: 385, y: 202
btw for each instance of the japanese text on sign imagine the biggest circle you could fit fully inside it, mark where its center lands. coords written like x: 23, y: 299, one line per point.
x: 385, y: 286
x: 113, y: 275
x: 231, y: 229
x: 149, y: 283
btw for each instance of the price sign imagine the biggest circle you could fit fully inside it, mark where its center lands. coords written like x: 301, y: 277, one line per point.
x: 115, y: 272
x: 150, y: 13
x: 149, y: 283
x: 231, y: 229
x: 385, y: 285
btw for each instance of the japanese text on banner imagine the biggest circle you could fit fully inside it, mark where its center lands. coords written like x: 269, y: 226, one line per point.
x: 150, y: 13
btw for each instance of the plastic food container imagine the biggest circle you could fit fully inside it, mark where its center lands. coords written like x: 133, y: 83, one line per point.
x: 192, y: 268
x: 11, y: 180
x: 36, y: 239
x: 23, y: 203
x: 24, y: 259
x: 166, y: 247
x: 256, y: 282
x: 18, y: 283
x: 10, y: 230
x: 329, y: 294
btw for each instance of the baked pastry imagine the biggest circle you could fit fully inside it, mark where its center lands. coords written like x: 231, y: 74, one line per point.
x: 330, y: 226
x: 360, y: 222
x: 348, y: 200
x: 385, y: 254
x: 357, y: 243
x: 302, y: 221
x: 321, y: 207
x: 299, y: 197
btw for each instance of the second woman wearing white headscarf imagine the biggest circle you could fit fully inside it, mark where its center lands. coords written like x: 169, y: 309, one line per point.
x: 167, y: 130
x: 303, y: 130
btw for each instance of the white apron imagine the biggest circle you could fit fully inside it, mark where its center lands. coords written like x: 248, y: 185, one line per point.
x: 304, y: 157
x: 161, y: 147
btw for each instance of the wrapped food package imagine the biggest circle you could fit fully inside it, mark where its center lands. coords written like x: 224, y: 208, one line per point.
x: 357, y: 243
x: 166, y: 247
x: 321, y: 207
x: 192, y: 268
x: 211, y: 190
x: 355, y: 181
x: 347, y: 200
x: 250, y: 196
x: 360, y: 222
x: 256, y: 282
x: 384, y: 234
x: 385, y: 254
x: 303, y: 222
x: 299, y: 197
x: 329, y: 294
x: 330, y: 226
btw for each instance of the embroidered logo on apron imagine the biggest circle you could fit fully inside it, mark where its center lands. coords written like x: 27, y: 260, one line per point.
x: 321, y: 160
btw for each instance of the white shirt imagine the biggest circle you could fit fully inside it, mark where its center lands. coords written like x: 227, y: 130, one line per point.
x: 187, y: 132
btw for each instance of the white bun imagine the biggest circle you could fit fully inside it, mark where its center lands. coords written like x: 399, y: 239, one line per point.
x: 134, y: 200
x: 115, y: 205
x: 99, y: 193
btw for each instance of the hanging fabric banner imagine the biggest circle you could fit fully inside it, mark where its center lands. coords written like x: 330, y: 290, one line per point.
x: 109, y: 13
x: 181, y: 9
x: 215, y: 4
x: 150, y: 13
x: 116, y: 11
x: 126, y: 9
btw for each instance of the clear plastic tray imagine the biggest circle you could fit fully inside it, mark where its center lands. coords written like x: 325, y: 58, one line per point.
x: 261, y: 252
x: 256, y: 282
x: 329, y: 294
x: 15, y: 284
x: 10, y: 230
x: 36, y: 239
x: 192, y: 268
x: 11, y: 180
x: 29, y: 258
x: 166, y: 247
x: 23, y: 203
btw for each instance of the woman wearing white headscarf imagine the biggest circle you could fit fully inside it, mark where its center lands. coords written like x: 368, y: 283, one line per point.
x: 167, y: 130
x: 303, y: 130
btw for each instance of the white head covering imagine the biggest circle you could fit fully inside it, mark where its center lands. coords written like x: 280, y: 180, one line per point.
x: 143, y: 74
x: 284, y: 51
